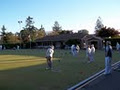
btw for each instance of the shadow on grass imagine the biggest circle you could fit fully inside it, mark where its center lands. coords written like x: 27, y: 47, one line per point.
x: 36, y: 77
x: 31, y: 74
x: 20, y: 76
x: 33, y: 78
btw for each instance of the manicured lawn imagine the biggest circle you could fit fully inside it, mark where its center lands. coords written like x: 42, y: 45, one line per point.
x: 25, y: 69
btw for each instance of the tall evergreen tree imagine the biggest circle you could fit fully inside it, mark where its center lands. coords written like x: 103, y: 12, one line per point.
x: 42, y: 28
x: 41, y: 32
x: 28, y: 33
x: 29, y: 23
x: 57, y: 27
x: 4, y: 39
x: 83, y: 31
x: 3, y: 30
x: 99, y: 24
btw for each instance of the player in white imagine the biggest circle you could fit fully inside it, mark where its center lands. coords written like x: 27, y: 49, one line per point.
x: 72, y: 50
x: 49, y: 56
x: 92, y: 53
x: 88, y: 53
x: 77, y: 49
x: 118, y: 47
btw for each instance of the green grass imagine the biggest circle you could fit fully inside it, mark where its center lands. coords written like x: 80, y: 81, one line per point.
x: 25, y: 69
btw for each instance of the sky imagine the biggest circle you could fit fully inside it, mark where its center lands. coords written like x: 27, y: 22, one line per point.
x: 70, y: 14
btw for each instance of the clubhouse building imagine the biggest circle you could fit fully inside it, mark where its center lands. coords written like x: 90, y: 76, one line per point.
x: 61, y: 40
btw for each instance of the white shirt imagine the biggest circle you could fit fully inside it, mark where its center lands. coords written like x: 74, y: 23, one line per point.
x: 88, y: 51
x: 49, y: 52
x: 117, y: 46
x: 72, y: 47
x: 92, y: 50
x: 78, y: 48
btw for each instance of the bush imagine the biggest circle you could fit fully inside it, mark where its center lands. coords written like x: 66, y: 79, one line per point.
x: 113, y: 41
x: 72, y: 41
x: 10, y: 46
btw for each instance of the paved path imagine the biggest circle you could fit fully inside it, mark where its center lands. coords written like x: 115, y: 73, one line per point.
x: 109, y: 82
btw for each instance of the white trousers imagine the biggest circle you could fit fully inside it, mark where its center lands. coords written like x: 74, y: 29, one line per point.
x: 108, y: 67
x: 92, y: 57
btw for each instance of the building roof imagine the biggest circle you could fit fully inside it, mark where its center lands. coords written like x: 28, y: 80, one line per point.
x: 62, y: 37
x: 87, y: 37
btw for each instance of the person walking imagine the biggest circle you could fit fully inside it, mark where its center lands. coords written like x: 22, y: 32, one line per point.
x: 92, y: 53
x: 108, y: 58
x: 49, y: 56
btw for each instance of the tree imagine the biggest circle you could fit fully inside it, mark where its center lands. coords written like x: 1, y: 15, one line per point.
x: 11, y: 38
x: 24, y: 36
x: 42, y: 28
x: 57, y: 27
x: 65, y: 32
x: 29, y: 30
x: 41, y: 32
x: 3, y: 30
x: 99, y: 24
x: 83, y: 31
x: 17, y: 37
x: 52, y: 33
x: 72, y: 41
x: 3, y: 34
x: 29, y: 23
x: 107, y: 32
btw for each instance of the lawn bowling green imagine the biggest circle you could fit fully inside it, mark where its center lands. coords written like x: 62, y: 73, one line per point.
x: 25, y: 69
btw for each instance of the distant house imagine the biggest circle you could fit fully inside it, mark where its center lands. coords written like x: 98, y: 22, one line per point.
x: 60, y: 40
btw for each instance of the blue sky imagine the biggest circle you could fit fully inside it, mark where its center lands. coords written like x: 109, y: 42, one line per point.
x: 71, y: 14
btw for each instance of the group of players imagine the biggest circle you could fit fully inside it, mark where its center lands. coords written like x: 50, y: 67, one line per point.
x: 90, y: 51
x: 74, y: 51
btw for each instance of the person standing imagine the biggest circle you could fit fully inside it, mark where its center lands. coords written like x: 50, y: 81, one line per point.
x: 76, y: 50
x: 108, y: 58
x: 92, y: 53
x: 88, y: 53
x: 49, y: 56
x: 117, y: 46
x: 72, y: 50
x: 0, y: 47
x: 18, y: 47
